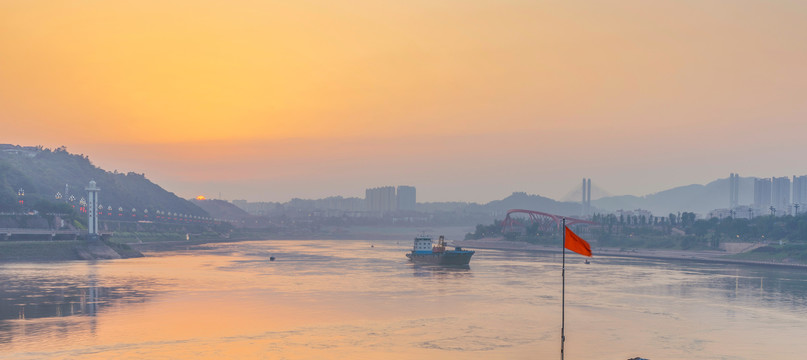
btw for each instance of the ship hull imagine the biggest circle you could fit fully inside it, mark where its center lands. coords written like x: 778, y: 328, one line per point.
x: 442, y: 258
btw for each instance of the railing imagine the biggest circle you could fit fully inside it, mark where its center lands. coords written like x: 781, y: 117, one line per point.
x: 8, y: 233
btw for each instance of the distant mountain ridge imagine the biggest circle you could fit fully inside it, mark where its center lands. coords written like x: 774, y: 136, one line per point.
x: 42, y: 173
x: 699, y: 199
x: 522, y: 200
x: 221, y: 209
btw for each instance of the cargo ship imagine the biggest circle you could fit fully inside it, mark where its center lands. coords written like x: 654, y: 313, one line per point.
x: 426, y: 253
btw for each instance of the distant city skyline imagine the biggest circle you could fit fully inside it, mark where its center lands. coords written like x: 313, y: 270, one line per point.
x: 466, y: 100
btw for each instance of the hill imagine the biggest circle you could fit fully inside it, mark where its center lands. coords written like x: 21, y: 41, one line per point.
x: 522, y: 200
x: 221, y: 209
x: 694, y: 198
x: 43, y: 173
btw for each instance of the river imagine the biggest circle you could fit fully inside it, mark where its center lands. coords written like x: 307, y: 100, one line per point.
x: 345, y: 299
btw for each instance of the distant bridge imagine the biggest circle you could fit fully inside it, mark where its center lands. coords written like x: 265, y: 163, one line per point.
x: 545, y: 221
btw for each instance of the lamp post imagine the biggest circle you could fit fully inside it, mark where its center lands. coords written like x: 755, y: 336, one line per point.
x: 21, y: 194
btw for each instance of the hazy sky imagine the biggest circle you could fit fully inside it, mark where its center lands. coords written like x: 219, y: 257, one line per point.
x: 466, y: 100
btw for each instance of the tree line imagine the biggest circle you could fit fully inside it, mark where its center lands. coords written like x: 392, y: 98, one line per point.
x: 675, y: 231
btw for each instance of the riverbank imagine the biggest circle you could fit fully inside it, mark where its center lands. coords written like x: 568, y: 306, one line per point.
x: 64, y: 250
x: 689, y: 255
x: 12, y: 251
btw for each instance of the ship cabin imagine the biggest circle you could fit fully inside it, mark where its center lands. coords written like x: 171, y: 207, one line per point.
x: 423, y: 245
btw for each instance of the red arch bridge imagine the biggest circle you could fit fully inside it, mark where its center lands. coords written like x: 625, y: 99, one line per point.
x: 545, y: 221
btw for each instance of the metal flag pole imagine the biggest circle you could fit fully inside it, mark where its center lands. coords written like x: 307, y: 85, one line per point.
x: 563, y: 292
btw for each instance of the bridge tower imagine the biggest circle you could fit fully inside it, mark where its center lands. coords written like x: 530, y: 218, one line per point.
x: 585, y: 208
x: 92, y: 204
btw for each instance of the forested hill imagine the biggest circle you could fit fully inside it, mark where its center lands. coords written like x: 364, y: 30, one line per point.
x: 42, y: 173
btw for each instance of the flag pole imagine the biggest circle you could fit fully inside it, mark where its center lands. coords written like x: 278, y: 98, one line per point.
x: 563, y: 292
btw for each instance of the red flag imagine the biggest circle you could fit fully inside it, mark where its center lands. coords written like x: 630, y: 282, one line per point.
x: 576, y: 243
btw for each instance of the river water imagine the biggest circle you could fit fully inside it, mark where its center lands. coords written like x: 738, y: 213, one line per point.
x: 362, y: 300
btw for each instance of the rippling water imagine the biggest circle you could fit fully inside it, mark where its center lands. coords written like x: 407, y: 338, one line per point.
x: 348, y: 300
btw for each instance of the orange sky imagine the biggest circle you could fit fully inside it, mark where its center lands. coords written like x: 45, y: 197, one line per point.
x: 466, y: 100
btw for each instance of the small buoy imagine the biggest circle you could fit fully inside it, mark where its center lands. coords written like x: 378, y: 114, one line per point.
x: 271, y: 258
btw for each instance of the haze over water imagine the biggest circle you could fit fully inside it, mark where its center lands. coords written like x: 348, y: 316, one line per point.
x: 348, y: 300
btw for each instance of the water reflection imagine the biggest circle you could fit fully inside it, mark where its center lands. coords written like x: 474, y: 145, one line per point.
x: 346, y: 300
x: 442, y: 272
x: 61, y: 290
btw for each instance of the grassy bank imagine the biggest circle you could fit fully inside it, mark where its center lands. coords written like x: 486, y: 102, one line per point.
x: 38, y: 250
x: 121, y: 237
x: 62, y: 250
x: 787, y: 253
x: 149, y: 237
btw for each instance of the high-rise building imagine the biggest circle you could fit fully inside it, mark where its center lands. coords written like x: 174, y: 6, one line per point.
x: 780, y: 194
x: 380, y: 199
x: 406, y: 197
x: 734, y: 190
x: 800, y: 190
x: 762, y: 193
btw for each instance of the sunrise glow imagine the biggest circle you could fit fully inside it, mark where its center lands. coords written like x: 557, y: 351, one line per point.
x: 270, y: 92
